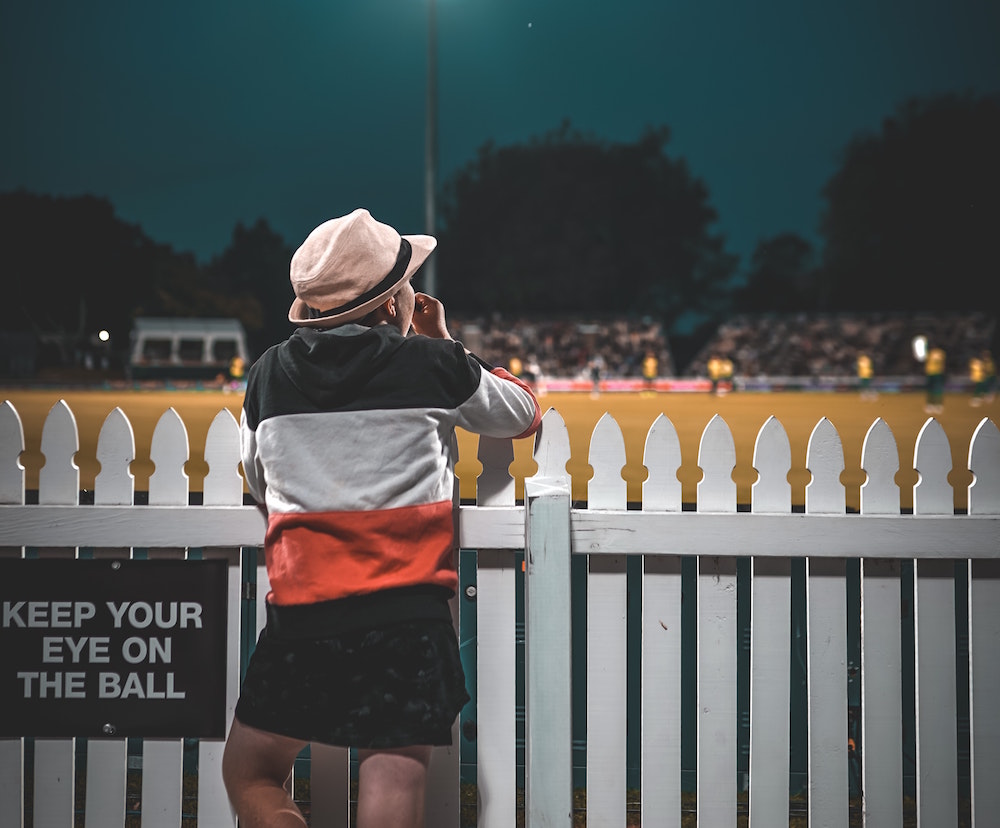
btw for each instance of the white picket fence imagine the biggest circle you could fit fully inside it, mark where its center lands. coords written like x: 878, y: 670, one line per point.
x: 550, y: 530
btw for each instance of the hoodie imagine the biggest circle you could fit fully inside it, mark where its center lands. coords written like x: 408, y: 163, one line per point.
x: 346, y: 438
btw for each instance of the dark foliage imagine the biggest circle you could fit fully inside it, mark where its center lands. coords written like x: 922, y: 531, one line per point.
x: 912, y: 215
x: 782, y: 277
x: 568, y: 223
x: 253, y: 271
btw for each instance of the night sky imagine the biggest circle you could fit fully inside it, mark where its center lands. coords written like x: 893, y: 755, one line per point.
x: 191, y: 115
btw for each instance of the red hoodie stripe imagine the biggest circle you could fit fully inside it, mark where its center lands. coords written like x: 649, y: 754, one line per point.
x: 319, y: 556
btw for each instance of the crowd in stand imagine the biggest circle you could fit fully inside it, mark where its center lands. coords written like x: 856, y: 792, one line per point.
x: 566, y: 347
x: 760, y: 345
x: 829, y: 345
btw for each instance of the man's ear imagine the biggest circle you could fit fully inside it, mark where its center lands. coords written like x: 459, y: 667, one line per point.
x: 386, y: 311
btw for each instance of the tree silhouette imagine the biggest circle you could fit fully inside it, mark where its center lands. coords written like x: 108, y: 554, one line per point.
x: 568, y: 223
x: 782, y: 277
x: 73, y: 267
x: 913, y: 212
x: 253, y: 272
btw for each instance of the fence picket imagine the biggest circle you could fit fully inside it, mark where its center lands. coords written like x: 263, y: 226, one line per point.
x: 984, y: 462
x: 661, y: 490
x: 826, y: 660
x: 717, y: 642
x: 223, y: 485
x: 880, y: 461
x: 168, y: 484
x: 934, y: 626
x: 607, y: 597
x: 661, y: 639
x: 114, y: 484
x: 11, y: 491
x: 11, y: 446
x: 770, y: 642
x: 984, y: 632
x: 825, y: 461
x: 107, y: 759
x: 932, y: 493
x: 881, y: 647
x: 548, y: 670
x: 496, y: 652
x: 163, y: 759
x: 552, y: 450
x: 772, y: 458
x: 495, y: 485
x: 58, y: 483
x: 717, y: 459
x: 59, y: 478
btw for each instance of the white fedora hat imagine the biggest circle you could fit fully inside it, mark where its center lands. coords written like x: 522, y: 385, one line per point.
x: 348, y: 266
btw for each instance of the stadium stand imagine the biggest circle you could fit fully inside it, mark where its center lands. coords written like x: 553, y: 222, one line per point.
x: 564, y: 347
x: 828, y: 345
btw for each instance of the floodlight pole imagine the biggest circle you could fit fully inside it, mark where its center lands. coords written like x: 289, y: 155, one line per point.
x: 430, y: 146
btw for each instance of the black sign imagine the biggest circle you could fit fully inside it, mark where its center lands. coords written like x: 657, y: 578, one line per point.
x: 112, y: 648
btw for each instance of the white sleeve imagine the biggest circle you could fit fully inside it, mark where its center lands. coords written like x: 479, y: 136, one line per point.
x: 502, y: 406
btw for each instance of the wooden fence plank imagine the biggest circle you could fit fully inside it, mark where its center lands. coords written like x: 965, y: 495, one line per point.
x: 329, y: 785
x: 984, y: 633
x: 223, y: 486
x: 770, y: 641
x: 934, y: 633
x: 661, y: 691
x: 826, y: 660
x: 661, y: 490
x: 984, y: 690
x: 826, y: 599
x: 107, y: 759
x: 11, y: 447
x: 717, y: 639
x: 984, y: 461
x: 55, y: 783
x: 58, y: 484
x: 163, y: 759
x: 496, y: 650
x: 881, y: 644
x: 660, y: 764
x: 607, y: 669
x: 717, y: 643
x: 12, y: 775
x: 548, y: 654
x: 937, y: 729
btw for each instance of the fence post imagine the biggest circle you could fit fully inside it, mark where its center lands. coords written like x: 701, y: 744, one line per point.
x: 548, y: 654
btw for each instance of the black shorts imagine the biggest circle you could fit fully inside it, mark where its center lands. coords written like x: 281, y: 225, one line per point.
x: 394, y: 686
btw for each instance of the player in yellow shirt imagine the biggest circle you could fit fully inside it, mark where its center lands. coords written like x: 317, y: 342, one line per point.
x: 977, y: 373
x: 934, y: 368
x: 650, y: 369
x: 865, y: 374
x: 727, y: 373
x: 715, y: 372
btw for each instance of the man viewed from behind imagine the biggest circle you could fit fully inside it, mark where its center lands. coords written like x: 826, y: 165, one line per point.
x: 347, y: 434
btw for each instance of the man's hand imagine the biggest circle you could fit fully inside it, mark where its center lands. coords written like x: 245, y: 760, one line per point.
x: 428, y: 317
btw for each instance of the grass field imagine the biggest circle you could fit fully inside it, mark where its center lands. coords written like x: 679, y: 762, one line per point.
x: 745, y: 413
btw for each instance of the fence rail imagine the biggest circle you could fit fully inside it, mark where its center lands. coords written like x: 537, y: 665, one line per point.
x: 607, y: 532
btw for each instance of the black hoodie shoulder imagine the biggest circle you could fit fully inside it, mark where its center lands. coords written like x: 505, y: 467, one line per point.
x: 354, y: 368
